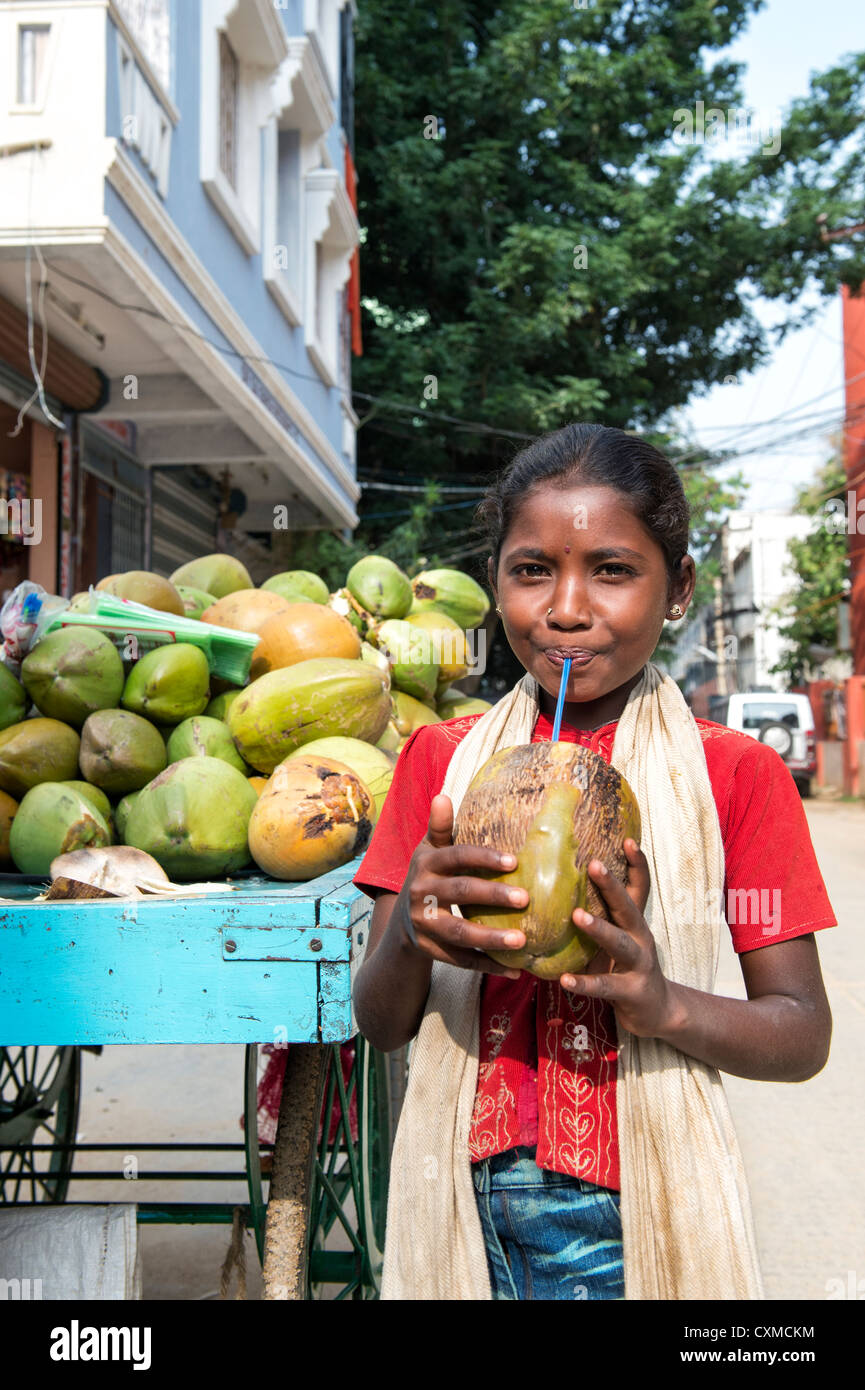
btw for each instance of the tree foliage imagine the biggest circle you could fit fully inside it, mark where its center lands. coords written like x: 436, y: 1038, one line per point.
x: 550, y: 253
x: 409, y: 544
x: 821, y: 563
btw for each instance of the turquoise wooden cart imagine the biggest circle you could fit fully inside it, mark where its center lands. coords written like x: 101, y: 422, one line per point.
x: 268, y: 963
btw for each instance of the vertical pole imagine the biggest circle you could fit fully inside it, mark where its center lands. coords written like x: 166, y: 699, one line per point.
x: 68, y: 508
x: 148, y: 518
x: 719, y: 621
x: 854, y: 463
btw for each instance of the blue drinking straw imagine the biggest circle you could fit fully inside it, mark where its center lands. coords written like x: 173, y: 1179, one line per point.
x: 560, y: 702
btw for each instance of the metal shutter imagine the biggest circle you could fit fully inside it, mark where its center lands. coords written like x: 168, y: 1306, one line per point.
x: 185, y: 516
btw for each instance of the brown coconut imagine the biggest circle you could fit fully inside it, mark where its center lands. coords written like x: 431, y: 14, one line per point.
x: 300, y: 633
x: 314, y: 815
x: 556, y: 806
x: 143, y: 587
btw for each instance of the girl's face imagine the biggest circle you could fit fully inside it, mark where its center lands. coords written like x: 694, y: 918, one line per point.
x: 582, y: 552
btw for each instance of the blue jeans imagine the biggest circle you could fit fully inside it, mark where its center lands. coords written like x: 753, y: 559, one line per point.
x: 548, y: 1235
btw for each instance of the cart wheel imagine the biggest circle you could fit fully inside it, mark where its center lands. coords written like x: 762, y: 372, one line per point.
x: 325, y: 1177
x: 39, y: 1099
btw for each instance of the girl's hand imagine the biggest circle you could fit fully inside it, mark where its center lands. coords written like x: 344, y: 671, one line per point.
x: 626, y: 972
x: 440, y: 873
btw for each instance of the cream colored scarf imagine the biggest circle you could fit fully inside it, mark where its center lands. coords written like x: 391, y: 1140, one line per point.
x: 686, y: 1218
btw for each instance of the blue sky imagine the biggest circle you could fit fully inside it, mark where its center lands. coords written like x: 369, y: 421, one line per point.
x: 785, y: 43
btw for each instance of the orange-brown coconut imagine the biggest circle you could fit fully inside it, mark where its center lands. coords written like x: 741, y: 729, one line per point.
x: 556, y: 806
x: 301, y: 632
x: 314, y: 815
x: 246, y: 610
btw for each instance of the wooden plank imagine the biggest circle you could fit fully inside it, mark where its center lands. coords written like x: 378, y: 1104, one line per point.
x: 286, y: 943
x: 335, y: 1011
x: 336, y: 986
x: 157, y: 970
x: 145, y: 981
x: 343, y: 907
x: 104, y: 914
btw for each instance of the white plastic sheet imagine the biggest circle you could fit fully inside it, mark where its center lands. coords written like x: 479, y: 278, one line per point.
x: 70, y: 1252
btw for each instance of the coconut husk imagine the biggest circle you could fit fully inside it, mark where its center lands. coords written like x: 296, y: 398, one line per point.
x: 556, y: 806
x: 506, y: 794
x: 117, y: 871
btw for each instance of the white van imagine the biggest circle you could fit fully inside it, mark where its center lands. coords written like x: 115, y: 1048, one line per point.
x: 784, y: 721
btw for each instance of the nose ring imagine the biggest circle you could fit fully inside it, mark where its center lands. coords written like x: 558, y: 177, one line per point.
x: 549, y: 611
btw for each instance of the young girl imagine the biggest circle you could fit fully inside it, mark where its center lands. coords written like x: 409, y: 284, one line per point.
x: 571, y: 1139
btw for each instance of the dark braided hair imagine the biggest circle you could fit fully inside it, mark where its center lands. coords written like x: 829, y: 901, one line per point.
x: 600, y: 455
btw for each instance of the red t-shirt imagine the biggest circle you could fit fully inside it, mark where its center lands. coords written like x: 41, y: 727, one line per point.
x: 548, y: 1058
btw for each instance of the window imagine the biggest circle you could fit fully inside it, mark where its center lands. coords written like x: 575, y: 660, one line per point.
x: 149, y: 23
x: 228, y: 83
x: 754, y: 716
x: 144, y: 125
x: 331, y: 229
x: 243, y: 43
x: 292, y: 149
x: 32, y: 48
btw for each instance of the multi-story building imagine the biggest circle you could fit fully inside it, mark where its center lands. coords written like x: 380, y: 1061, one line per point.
x: 176, y: 213
x: 733, y: 643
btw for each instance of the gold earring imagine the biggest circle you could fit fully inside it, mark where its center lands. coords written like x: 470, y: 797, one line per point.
x: 676, y: 611
x: 498, y: 610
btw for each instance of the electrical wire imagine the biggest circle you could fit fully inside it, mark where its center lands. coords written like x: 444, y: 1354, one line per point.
x: 38, y: 372
x: 401, y: 487
x: 475, y: 426
x: 697, y: 457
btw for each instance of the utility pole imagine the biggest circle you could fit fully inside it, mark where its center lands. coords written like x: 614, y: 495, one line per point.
x: 853, y: 320
x: 720, y: 646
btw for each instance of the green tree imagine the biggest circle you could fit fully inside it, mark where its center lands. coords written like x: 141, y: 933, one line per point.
x: 821, y: 563
x: 539, y: 248
x: 410, y: 544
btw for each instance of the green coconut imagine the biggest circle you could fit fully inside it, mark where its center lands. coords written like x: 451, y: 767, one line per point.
x: 54, y: 819
x: 13, y: 699
x: 169, y: 684
x: 221, y: 704
x: 193, y: 819
x: 373, y: 766
x: 414, y: 668
x: 380, y: 587
x: 450, y: 592
x: 194, y: 600
x: 73, y: 672
x: 121, y: 814
x: 298, y: 584
x: 203, y: 737
x: 37, y: 750
x: 448, y: 645
x: 95, y: 795
x: 120, y: 751
x: 318, y: 698
x: 454, y: 704
x: 407, y: 714
x: 216, y: 574
x: 556, y: 806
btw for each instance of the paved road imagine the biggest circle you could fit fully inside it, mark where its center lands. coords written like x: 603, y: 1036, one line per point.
x: 803, y: 1144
